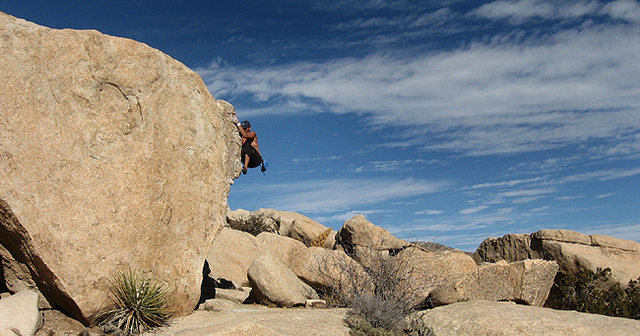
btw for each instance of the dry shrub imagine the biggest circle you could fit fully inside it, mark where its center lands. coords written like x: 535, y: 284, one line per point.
x: 383, y: 293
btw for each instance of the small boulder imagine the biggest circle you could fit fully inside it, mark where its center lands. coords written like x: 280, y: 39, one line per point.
x: 273, y: 284
x: 239, y: 295
x: 527, y: 281
x: 231, y: 255
x: 19, y: 312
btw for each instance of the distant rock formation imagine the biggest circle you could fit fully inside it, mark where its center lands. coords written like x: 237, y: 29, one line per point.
x: 113, y: 155
x: 573, y: 251
x: 527, y: 281
x: 284, y: 223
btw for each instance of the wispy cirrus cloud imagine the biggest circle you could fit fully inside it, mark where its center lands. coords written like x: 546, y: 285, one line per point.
x: 345, y: 216
x: 512, y: 97
x: 473, y: 210
x: 429, y: 212
x: 322, y: 196
x: 548, y: 180
x: 518, y: 11
x: 397, y: 165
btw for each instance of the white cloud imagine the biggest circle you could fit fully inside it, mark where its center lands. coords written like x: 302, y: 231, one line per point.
x: 343, y: 217
x: 507, y: 183
x: 539, y: 209
x: 317, y: 159
x: 505, y: 211
x: 519, y: 11
x: 600, y: 175
x: 396, y: 165
x: 566, y: 88
x: 317, y: 196
x: 429, y: 212
x: 473, y: 210
x: 623, y: 9
x: 528, y: 199
x: 605, y: 195
x: 624, y: 230
x: 527, y: 192
x: 568, y: 198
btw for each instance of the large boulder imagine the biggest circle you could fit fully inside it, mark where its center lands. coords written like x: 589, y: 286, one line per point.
x: 273, y: 284
x: 19, y: 312
x: 283, y: 248
x: 332, y: 272
x: 231, y: 255
x: 423, y: 271
x: 527, y: 281
x: 573, y: 251
x: 363, y: 240
x: 484, y: 318
x: 113, y: 155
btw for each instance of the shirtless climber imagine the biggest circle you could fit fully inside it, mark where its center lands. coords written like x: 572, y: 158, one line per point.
x: 251, y: 157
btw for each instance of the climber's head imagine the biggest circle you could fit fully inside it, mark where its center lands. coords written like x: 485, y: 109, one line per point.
x: 245, y: 124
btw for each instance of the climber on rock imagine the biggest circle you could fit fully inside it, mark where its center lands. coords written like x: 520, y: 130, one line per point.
x: 251, y: 156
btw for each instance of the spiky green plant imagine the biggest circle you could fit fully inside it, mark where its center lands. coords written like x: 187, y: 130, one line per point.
x: 140, y: 304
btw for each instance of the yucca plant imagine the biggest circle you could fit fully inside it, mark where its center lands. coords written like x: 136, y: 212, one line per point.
x: 140, y: 304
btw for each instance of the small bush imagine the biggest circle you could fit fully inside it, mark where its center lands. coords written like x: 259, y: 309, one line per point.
x: 591, y: 292
x: 139, y: 304
x: 359, y: 326
x: 382, y: 290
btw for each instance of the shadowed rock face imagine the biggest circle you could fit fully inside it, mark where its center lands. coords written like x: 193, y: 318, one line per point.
x: 112, y: 155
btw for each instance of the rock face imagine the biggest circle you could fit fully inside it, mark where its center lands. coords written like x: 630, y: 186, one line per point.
x: 527, y: 281
x: 113, y: 155
x: 483, y: 318
x: 573, y: 251
x: 20, y: 312
x: 274, y: 284
x: 231, y: 255
x: 284, y: 249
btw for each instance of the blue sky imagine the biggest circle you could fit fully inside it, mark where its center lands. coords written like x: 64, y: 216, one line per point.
x: 444, y: 121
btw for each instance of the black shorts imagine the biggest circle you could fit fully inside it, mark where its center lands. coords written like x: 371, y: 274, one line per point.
x: 254, y: 157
